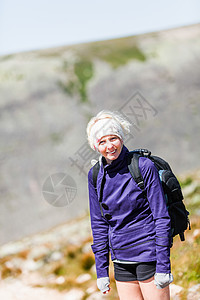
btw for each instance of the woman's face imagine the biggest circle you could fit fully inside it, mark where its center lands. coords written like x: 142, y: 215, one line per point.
x: 110, y: 147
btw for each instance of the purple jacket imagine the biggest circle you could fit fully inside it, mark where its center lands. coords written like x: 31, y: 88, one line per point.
x: 132, y: 228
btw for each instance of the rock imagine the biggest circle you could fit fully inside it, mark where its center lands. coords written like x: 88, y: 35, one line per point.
x: 16, y: 290
x: 24, y: 265
x: 14, y: 263
x: 12, y: 248
x: 86, y: 248
x: 74, y: 294
x: 31, y: 265
x: 91, y: 289
x: 175, y: 291
x: 93, y: 269
x: 83, y: 278
x: 33, y: 279
x: 60, y: 280
x: 196, y: 234
x: 55, y: 256
x: 38, y: 252
x: 97, y: 296
x: 194, y: 292
x: 194, y: 288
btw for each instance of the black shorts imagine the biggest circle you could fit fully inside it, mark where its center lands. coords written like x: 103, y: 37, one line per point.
x: 135, y: 271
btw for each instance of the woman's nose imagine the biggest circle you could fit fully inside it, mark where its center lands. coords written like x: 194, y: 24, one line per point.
x: 109, y: 145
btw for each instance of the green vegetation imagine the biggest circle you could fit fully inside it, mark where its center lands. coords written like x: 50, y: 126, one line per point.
x: 119, y: 55
x: 87, y: 261
x: 49, y: 53
x: 56, y: 137
x: 191, y: 192
x: 185, y: 255
x: 60, y: 270
x: 11, y: 76
x: 82, y: 71
x: 68, y: 88
x: 6, y: 57
x: 116, y: 52
x: 186, y: 181
x: 186, y: 262
x: 194, y: 204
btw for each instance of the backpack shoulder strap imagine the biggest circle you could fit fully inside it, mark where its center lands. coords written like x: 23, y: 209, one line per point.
x: 95, y: 171
x: 133, y: 166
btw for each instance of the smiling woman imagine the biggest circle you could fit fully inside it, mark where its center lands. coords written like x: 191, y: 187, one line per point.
x: 132, y: 225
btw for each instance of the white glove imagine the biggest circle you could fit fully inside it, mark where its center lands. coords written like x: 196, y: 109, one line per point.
x: 162, y: 280
x: 103, y: 284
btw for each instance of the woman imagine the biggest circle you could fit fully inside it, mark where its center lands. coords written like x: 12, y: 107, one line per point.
x: 133, y: 226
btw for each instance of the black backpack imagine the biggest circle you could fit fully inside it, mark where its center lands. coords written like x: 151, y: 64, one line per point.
x: 171, y: 187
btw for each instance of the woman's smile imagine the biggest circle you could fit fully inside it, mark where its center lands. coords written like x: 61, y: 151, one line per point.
x: 112, y: 152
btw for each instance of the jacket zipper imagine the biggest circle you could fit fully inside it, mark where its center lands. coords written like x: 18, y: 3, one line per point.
x: 101, y: 192
x: 100, y: 201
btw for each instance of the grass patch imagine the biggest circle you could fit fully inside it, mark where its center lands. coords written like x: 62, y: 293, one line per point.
x: 82, y: 71
x: 87, y: 261
x: 122, y: 55
x: 186, y: 260
x: 193, y: 208
x: 68, y: 87
x: 56, y: 137
x: 60, y: 270
x: 193, y: 202
x: 6, y: 57
x: 116, y: 52
x: 187, y: 181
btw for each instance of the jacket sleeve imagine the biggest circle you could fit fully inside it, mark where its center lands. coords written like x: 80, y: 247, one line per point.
x: 100, y: 228
x: 160, y: 214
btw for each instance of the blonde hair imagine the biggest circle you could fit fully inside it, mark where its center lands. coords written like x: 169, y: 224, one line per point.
x: 118, y: 126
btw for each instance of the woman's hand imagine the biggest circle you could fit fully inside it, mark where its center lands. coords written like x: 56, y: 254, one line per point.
x: 103, y: 284
x: 162, y: 280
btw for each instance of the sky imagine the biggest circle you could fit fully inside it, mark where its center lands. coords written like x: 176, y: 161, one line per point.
x: 38, y: 24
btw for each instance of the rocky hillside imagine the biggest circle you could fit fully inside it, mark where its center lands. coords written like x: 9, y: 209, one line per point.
x: 47, y: 98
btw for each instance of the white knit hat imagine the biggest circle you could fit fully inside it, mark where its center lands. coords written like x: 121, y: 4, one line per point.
x: 106, y: 123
